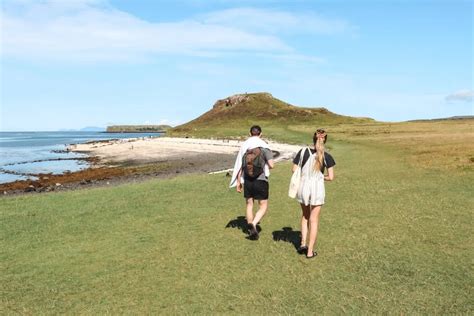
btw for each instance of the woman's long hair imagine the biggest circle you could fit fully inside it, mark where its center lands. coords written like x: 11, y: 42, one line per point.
x: 319, y: 147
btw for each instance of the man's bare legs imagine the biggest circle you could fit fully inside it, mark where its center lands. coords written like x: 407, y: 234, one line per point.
x: 249, y: 213
x: 263, y: 205
x: 254, y: 220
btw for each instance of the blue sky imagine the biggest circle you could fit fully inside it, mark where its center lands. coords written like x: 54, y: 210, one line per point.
x: 76, y: 63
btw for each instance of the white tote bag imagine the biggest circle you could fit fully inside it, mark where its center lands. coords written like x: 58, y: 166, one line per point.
x: 296, y: 177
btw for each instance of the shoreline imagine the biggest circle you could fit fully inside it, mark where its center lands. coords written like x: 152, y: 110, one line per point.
x: 130, y: 160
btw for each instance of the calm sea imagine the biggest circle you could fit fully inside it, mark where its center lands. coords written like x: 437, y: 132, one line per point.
x: 24, y: 154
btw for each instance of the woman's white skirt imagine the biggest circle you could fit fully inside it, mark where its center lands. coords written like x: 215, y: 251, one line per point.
x: 311, y: 190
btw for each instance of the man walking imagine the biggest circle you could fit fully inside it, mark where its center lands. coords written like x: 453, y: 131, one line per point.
x: 252, y: 169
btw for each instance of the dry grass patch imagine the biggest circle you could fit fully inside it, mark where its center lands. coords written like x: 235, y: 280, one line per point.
x: 442, y: 145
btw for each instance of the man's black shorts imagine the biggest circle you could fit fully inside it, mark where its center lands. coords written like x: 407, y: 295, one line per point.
x: 257, y: 189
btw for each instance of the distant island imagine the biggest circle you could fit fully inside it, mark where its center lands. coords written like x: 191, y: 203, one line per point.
x: 137, y: 128
x: 92, y: 129
x: 84, y: 129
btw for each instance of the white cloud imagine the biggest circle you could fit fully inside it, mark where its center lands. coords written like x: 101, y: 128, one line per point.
x: 97, y: 32
x: 93, y: 30
x: 274, y: 21
x: 461, y: 95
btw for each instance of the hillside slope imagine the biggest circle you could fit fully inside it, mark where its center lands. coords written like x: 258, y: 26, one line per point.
x: 242, y: 110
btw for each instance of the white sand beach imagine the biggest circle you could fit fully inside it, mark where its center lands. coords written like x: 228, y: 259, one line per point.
x: 142, y: 150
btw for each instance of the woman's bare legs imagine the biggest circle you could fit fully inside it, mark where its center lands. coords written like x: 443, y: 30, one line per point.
x: 304, y: 223
x: 313, y: 227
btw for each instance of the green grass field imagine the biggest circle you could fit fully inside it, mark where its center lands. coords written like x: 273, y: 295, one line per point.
x: 394, y: 238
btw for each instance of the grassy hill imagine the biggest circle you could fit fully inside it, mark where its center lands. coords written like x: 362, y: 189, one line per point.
x: 234, y: 115
x: 434, y: 144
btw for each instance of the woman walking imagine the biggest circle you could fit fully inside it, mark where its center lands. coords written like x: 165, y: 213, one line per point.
x: 311, y: 190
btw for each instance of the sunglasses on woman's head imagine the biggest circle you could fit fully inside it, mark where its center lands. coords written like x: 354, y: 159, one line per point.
x: 320, y: 131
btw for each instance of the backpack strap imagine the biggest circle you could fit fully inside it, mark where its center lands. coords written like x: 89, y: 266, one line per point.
x: 302, y: 153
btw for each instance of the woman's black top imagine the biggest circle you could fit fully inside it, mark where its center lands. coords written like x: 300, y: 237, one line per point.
x: 327, y: 159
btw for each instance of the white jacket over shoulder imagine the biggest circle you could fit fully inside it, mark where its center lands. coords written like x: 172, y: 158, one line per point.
x: 250, y: 143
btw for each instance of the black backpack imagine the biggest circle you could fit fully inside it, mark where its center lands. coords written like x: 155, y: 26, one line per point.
x: 253, y: 162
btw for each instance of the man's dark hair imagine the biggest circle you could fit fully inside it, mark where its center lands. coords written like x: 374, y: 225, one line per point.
x: 255, y: 130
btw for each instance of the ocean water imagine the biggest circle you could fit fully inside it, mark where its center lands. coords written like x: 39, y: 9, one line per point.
x: 26, y: 154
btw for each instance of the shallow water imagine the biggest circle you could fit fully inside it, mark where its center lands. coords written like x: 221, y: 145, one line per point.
x: 51, y: 166
x: 24, y: 154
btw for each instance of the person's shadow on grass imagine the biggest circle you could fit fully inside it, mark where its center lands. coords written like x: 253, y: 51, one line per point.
x: 287, y: 234
x: 240, y: 222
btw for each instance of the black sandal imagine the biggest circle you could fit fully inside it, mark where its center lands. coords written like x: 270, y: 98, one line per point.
x: 302, y: 250
x: 313, y: 256
x: 253, y: 233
